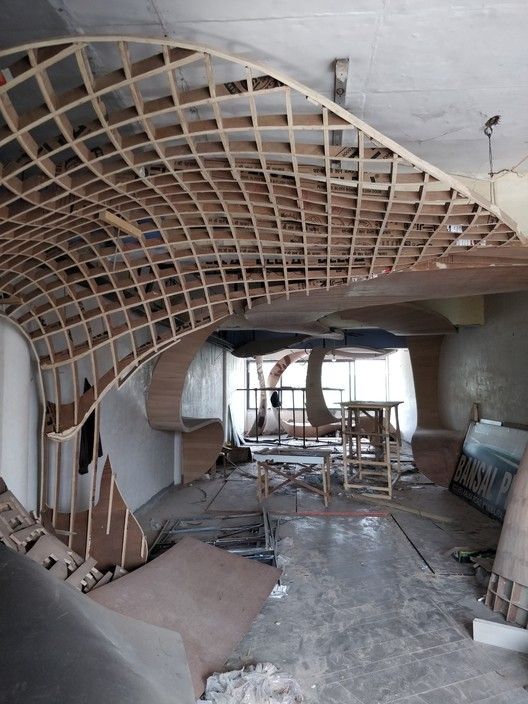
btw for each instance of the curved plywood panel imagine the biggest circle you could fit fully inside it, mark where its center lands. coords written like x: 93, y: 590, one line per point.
x: 316, y: 409
x: 435, y: 448
x: 262, y: 347
x: 511, y: 559
x: 400, y: 319
x: 295, y: 429
x: 202, y: 438
x: 137, y: 206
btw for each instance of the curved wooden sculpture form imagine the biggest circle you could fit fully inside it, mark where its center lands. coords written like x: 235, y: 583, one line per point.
x: 435, y: 448
x: 149, y: 189
x: 202, y: 438
x: 317, y: 411
x: 260, y: 421
x: 401, y: 319
x: 293, y: 429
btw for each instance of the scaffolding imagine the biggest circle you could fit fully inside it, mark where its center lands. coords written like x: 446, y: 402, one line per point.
x: 370, y: 446
x: 256, y: 390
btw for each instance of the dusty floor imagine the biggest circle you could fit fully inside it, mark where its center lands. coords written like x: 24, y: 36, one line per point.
x: 376, y: 610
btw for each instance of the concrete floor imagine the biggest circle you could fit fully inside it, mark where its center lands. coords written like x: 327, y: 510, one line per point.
x: 376, y: 610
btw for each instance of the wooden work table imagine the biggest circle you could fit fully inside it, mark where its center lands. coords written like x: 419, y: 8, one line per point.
x: 276, y: 461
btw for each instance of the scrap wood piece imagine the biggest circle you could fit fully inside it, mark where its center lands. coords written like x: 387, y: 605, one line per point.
x: 85, y: 576
x: 382, y: 501
x: 20, y: 532
x: 208, y: 595
x: 48, y: 550
x: 112, y: 534
x: 28, y: 534
x: 12, y: 514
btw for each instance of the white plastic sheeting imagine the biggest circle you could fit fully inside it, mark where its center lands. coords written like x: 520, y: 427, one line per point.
x: 257, y: 684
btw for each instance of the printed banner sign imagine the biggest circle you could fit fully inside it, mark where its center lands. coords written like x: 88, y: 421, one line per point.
x: 489, y: 461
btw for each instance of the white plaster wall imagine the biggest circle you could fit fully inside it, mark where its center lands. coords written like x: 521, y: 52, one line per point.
x: 487, y: 365
x: 401, y: 388
x: 19, y: 416
x: 142, y: 458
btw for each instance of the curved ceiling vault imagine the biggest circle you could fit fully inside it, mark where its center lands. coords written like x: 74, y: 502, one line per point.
x: 149, y: 189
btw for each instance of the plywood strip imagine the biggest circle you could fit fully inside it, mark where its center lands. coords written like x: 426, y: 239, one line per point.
x: 109, y: 529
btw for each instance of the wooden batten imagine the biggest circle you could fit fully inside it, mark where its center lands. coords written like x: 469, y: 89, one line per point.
x: 110, y: 529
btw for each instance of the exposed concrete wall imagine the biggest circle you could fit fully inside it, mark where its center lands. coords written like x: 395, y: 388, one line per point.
x: 19, y: 416
x: 235, y: 378
x: 142, y: 458
x: 401, y: 388
x: 487, y: 365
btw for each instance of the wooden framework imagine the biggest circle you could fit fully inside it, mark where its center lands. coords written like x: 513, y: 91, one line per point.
x: 176, y: 185
x: 370, y: 421
x: 291, y: 466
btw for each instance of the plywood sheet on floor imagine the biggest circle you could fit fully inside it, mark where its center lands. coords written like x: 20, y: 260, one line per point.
x: 208, y: 595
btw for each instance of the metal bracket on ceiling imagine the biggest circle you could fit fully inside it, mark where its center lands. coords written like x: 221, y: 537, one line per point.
x: 340, y: 85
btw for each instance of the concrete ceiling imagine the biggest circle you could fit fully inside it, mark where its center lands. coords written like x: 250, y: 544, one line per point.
x: 427, y: 74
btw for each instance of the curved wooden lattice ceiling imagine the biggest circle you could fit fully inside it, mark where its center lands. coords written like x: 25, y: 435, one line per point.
x: 148, y: 189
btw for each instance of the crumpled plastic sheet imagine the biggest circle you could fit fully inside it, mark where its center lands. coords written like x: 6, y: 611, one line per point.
x: 256, y: 684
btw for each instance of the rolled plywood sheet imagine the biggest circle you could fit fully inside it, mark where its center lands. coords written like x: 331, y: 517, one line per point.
x: 58, y: 645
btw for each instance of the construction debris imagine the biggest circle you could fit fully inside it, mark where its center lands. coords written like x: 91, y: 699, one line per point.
x: 251, y: 535
x: 252, y: 685
x: 23, y: 533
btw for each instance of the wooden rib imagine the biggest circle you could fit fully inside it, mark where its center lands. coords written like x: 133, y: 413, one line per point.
x: 121, y: 223
x: 176, y: 204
